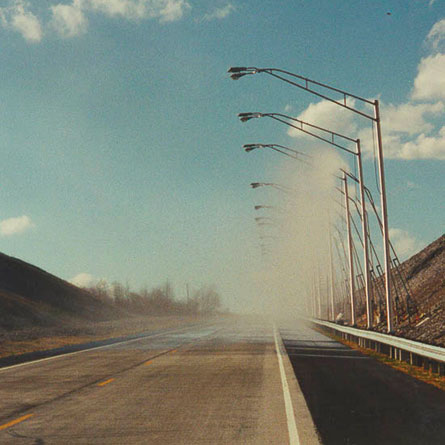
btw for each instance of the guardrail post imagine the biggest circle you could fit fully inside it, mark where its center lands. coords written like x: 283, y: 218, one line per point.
x: 435, y: 367
x: 431, y: 358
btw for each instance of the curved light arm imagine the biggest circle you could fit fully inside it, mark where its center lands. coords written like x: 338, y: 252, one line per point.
x: 258, y: 207
x: 292, y: 150
x: 238, y: 72
x: 264, y: 218
x: 244, y: 117
x: 294, y: 154
x: 281, y: 188
x: 350, y: 175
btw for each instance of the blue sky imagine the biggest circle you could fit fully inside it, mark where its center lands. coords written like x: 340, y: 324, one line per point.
x: 122, y: 150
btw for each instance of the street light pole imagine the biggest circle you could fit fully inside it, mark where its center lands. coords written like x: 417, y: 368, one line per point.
x: 365, y: 237
x: 244, y: 117
x: 350, y: 257
x: 309, y: 85
x: 331, y: 271
x: 386, y: 252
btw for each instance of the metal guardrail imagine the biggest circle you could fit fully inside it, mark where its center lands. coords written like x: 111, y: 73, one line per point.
x: 414, y: 352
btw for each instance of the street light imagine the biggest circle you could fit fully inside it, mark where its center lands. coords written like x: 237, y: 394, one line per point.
x: 308, y: 85
x: 263, y: 218
x: 244, y: 117
x: 258, y: 207
x: 329, y: 136
x: 350, y: 258
x: 255, y: 185
x: 279, y: 187
x: 290, y: 152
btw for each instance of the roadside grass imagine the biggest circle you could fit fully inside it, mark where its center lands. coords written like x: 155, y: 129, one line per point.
x: 41, y: 339
x: 11, y: 347
x: 414, y: 371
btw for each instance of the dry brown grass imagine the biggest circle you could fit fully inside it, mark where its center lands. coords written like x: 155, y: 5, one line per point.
x: 40, y: 339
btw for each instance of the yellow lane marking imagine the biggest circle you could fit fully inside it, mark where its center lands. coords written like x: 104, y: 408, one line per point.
x: 15, y: 422
x: 149, y: 362
x: 105, y: 382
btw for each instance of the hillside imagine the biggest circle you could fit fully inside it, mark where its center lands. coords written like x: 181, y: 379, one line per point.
x: 425, y: 273
x: 30, y: 296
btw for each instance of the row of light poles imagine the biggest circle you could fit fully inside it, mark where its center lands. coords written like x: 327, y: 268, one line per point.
x: 348, y: 101
x: 331, y: 138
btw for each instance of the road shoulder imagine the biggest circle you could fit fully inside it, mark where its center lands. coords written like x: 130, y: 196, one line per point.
x: 307, y: 432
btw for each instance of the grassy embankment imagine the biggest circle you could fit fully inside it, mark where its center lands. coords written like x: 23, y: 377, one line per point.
x: 42, y: 338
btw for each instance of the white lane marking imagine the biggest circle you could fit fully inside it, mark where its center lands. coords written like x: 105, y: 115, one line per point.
x: 294, y: 439
x: 90, y: 349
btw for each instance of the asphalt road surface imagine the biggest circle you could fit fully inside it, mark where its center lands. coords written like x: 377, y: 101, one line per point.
x: 223, y: 383
x: 215, y: 384
x: 358, y: 400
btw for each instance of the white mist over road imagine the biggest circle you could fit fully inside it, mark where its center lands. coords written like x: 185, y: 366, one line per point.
x: 296, y: 241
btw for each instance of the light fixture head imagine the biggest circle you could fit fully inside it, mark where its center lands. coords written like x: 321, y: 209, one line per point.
x: 244, y: 117
x: 237, y: 69
x: 236, y: 76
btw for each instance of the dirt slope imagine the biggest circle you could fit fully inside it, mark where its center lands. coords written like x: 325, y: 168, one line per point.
x: 425, y: 273
x: 31, y: 296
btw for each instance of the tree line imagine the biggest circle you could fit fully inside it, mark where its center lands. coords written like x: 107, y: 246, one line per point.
x: 157, y: 301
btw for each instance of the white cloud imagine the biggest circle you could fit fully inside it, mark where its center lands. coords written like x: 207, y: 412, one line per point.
x: 164, y: 10
x: 397, y: 146
x: 424, y: 147
x: 437, y: 35
x: 83, y: 280
x: 404, y: 243
x: 17, y: 16
x: 410, y: 118
x: 430, y: 81
x: 13, y: 226
x: 69, y: 20
x: 327, y: 115
x: 220, y: 13
x: 125, y: 8
x: 173, y: 10
x: 410, y: 130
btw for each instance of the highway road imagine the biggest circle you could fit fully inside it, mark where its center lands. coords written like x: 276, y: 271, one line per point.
x: 355, y: 399
x: 229, y: 382
x: 211, y: 384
